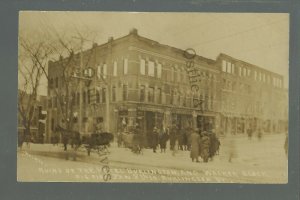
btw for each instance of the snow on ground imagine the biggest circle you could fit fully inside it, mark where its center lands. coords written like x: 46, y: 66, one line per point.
x: 255, y: 161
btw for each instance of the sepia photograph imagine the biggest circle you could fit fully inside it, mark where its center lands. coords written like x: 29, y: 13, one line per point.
x: 153, y: 97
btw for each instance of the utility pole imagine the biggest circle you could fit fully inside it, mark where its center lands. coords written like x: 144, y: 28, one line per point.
x: 80, y: 86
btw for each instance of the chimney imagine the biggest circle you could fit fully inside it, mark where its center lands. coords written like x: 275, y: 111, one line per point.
x: 110, y: 39
x: 133, y: 31
x: 95, y: 44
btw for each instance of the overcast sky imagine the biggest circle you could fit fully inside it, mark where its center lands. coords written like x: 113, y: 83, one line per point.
x: 261, y: 39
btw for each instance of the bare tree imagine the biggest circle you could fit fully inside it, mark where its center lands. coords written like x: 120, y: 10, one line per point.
x: 33, y: 57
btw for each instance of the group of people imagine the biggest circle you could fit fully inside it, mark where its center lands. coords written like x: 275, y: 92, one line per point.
x: 204, y: 144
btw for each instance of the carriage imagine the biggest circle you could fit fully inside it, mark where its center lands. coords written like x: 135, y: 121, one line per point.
x: 96, y: 141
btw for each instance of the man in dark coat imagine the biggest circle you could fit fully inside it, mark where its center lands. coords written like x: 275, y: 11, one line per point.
x: 214, y: 144
x: 154, y: 139
x: 173, y: 133
x: 205, y: 144
x: 180, y: 138
x: 163, y: 138
x: 195, y: 146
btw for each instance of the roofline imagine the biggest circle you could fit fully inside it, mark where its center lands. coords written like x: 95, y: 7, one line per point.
x: 247, y: 63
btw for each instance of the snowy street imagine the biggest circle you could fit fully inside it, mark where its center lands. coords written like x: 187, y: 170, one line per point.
x: 253, y: 163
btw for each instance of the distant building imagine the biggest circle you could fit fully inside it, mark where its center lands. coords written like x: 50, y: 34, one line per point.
x: 251, y: 97
x: 140, y: 81
x: 38, y: 123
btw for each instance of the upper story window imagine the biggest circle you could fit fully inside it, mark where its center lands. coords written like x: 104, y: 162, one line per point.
x: 115, y: 71
x: 159, y: 95
x: 223, y: 65
x: 229, y: 67
x: 172, y: 73
x: 244, y: 71
x: 248, y: 72
x: 178, y: 75
x: 232, y: 68
x: 101, y: 71
x: 143, y: 67
x: 264, y: 78
x: 151, y: 68
x: 150, y: 94
x: 125, y: 92
x: 125, y: 66
x: 240, y: 71
x: 159, y: 69
x: 255, y: 75
x: 142, y: 93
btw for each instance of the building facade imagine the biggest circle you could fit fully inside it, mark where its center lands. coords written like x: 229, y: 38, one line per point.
x: 134, y: 80
x: 251, y: 98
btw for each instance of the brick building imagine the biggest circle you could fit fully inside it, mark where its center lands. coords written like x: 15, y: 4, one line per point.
x: 135, y: 80
x: 143, y: 82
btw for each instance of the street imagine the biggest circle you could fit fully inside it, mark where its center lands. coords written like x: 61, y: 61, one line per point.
x: 254, y: 161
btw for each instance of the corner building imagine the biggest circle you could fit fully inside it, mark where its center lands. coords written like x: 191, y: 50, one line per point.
x: 138, y: 80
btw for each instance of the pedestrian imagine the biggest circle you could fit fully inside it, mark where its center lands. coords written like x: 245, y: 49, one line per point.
x: 163, y: 138
x: 205, y: 145
x: 184, y: 139
x: 259, y: 134
x: 214, y: 145
x: 231, y: 150
x: 249, y: 133
x: 154, y: 139
x: 173, y: 133
x: 180, y: 138
x: 188, y: 132
x: 195, y: 146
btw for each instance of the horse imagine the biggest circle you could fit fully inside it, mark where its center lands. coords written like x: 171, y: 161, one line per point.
x: 69, y: 137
